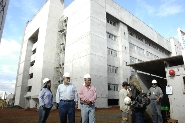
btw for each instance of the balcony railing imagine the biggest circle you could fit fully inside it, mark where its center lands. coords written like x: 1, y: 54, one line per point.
x: 30, y: 82
x: 33, y: 57
x: 31, y: 70
x: 34, y: 46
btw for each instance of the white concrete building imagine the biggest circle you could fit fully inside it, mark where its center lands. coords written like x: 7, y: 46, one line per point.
x: 176, y: 47
x: 3, y: 95
x: 38, y: 53
x: 98, y: 37
x: 3, y: 11
x: 181, y: 35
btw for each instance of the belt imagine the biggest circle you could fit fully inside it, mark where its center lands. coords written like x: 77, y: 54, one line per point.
x: 87, y: 104
x: 84, y: 103
x: 67, y: 100
x: 153, y: 99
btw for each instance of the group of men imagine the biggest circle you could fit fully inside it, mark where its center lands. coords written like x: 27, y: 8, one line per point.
x: 155, y: 95
x: 67, y: 99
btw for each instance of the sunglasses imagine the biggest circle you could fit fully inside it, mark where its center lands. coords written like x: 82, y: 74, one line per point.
x: 153, y: 83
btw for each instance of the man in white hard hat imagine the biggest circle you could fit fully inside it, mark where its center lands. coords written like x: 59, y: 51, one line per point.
x: 124, y: 107
x: 67, y: 98
x: 87, y: 95
x: 155, y: 94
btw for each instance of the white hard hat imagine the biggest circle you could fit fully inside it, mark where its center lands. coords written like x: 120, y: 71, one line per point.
x: 66, y: 74
x: 87, y: 76
x: 127, y: 100
x: 154, y: 81
x: 45, y: 81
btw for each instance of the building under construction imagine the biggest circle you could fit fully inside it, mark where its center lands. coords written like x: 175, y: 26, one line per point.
x: 98, y: 37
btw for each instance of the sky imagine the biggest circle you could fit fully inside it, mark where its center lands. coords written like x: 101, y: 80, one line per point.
x: 163, y: 16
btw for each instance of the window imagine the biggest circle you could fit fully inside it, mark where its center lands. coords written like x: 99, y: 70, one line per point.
x: 160, y: 50
x: 111, y: 36
x: 34, y: 51
x: 32, y: 63
x: 62, y: 46
x: 139, y: 61
x: 132, y: 60
x: 149, y: 54
x: 112, y: 69
x: 34, y: 36
x: 147, y: 43
x: 139, y: 38
x: 31, y: 75
x: 132, y: 46
x: 133, y: 73
x: 140, y: 50
x: 111, y: 22
x: 156, y: 57
x: 29, y: 88
x: 111, y: 52
x: 130, y: 33
x: 184, y: 84
x: 113, y: 87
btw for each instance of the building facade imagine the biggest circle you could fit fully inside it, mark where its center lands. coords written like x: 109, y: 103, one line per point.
x: 181, y: 35
x: 3, y: 11
x: 176, y: 47
x: 88, y: 36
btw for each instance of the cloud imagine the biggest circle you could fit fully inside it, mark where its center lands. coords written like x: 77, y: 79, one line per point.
x: 8, y: 77
x: 9, y: 55
x: 9, y: 49
x: 166, y: 10
x: 146, y: 7
x: 169, y: 8
x: 8, y: 69
x: 12, y: 25
x: 28, y: 8
x: 7, y: 86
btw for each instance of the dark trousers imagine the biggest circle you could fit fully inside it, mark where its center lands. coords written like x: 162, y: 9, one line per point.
x: 67, y: 108
x: 43, y: 114
x: 138, y: 115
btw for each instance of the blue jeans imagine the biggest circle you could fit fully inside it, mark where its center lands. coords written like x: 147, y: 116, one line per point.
x: 43, y: 114
x: 156, y: 107
x: 88, y: 112
x: 139, y: 117
x: 67, y: 108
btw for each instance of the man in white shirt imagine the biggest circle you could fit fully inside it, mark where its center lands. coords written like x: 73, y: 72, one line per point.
x: 67, y: 98
x: 124, y: 107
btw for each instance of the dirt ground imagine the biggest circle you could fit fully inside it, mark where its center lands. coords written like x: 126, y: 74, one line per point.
x: 14, y: 115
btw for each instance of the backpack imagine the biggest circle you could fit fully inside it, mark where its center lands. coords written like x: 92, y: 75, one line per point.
x: 141, y: 101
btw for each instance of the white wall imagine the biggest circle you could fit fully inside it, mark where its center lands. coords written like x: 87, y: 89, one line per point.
x: 177, y: 109
x: 176, y: 47
x: 46, y: 23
